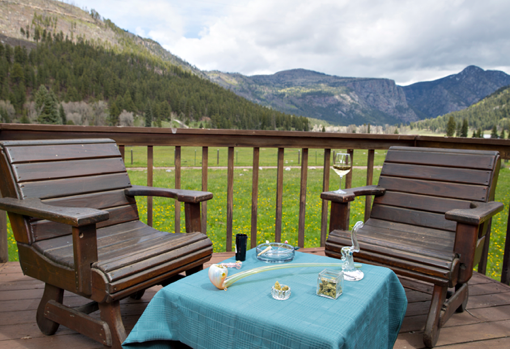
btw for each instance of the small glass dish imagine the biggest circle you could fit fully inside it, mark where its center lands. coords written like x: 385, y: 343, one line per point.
x: 275, y: 252
x: 330, y: 283
x: 279, y: 294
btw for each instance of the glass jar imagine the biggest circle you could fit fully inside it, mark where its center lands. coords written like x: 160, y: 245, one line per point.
x: 330, y: 283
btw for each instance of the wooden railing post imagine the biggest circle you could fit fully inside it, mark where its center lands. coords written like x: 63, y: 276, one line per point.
x: 205, y: 167
x: 302, y: 199
x: 254, y: 196
x: 177, y: 162
x: 150, y: 181
x: 505, y: 272
x: 279, y: 197
x: 230, y: 198
x: 4, y: 251
x: 348, y: 177
x: 325, y: 187
x: 370, y: 178
x: 122, y: 151
x: 482, y: 266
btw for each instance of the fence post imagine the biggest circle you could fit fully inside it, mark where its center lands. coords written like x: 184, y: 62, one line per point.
x: 505, y: 272
x: 370, y: 177
x: 217, y: 156
x: 325, y: 187
x: 4, y: 252
x: 131, y: 156
x: 299, y: 156
x: 150, y: 182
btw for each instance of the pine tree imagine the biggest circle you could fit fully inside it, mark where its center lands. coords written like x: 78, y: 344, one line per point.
x: 450, y: 127
x: 494, y: 132
x: 62, y: 114
x: 464, y: 129
x: 148, y: 115
x: 46, y: 106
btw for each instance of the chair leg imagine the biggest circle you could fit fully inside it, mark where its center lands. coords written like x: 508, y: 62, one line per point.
x: 137, y: 295
x: 462, y: 307
x: 431, y: 333
x: 47, y: 326
x: 110, y: 313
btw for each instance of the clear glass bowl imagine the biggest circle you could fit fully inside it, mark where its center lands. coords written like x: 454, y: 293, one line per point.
x: 275, y: 252
x: 279, y: 294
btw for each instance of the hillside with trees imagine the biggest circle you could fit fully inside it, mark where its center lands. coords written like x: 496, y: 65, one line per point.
x: 93, y: 85
x: 490, y: 114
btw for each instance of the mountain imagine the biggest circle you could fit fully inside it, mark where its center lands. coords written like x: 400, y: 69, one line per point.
x: 454, y: 92
x: 339, y: 100
x: 22, y: 19
x: 344, y: 100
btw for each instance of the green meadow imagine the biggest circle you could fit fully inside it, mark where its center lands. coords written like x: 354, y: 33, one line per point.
x: 163, y: 211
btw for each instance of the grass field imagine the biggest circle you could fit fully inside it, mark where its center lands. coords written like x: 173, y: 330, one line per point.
x: 218, y: 157
x: 163, y: 212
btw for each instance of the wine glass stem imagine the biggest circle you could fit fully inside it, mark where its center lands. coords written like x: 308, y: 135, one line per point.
x: 340, y: 188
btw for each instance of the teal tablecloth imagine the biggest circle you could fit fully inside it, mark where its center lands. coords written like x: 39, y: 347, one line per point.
x: 367, y: 315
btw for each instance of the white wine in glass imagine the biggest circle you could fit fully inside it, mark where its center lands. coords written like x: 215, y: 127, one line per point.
x: 342, y: 166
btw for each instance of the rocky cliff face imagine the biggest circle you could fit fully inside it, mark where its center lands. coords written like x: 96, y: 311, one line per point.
x: 336, y: 99
x: 455, y: 92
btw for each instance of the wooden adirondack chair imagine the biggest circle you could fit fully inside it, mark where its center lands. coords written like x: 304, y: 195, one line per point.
x: 75, y: 219
x: 429, y: 221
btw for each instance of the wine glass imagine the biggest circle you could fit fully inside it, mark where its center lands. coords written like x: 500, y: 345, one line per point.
x: 342, y: 166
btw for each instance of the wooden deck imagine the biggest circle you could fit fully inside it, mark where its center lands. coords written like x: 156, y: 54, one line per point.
x: 485, y: 324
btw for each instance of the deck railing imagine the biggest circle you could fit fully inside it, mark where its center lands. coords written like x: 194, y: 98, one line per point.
x: 231, y: 139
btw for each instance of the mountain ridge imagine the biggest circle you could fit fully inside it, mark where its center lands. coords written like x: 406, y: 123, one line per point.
x: 318, y: 95
x: 454, y: 92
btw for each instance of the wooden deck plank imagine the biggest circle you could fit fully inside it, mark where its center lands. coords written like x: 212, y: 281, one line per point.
x: 486, y: 323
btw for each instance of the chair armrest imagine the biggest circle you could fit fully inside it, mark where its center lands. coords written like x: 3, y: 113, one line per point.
x: 179, y: 194
x: 477, y: 214
x: 75, y: 216
x: 352, y: 193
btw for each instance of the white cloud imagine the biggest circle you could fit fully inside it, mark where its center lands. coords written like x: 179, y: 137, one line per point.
x: 404, y: 40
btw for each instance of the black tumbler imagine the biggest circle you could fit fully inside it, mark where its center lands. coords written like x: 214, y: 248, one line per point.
x: 241, y: 240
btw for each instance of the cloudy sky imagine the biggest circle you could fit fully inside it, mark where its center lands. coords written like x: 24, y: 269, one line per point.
x: 404, y: 40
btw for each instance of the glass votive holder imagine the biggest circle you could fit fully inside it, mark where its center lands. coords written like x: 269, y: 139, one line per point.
x: 330, y: 283
x: 281, y: 294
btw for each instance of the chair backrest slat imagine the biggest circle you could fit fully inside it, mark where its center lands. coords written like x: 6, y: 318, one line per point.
x: 63, y: 169
x: 482, y: 160
x: 454, y: 175
x: 413, y: 217
x: 435, y: 188
x: 420, y: 202
x: 60, y: 151
x: 73, y: 186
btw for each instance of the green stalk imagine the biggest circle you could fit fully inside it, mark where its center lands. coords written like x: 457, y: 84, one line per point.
x: 231, y: 279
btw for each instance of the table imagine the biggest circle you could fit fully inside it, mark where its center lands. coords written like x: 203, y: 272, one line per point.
x: 368, y: 314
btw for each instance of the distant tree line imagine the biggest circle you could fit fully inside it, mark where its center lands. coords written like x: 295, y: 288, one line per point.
x: 61, y: 71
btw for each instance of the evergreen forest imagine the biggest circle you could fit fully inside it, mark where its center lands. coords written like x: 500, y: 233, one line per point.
x: 43, y: 84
